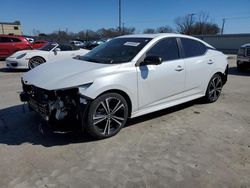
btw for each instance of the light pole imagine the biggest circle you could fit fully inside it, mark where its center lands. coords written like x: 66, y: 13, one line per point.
x: 120, y: 16
x: 190, y: 22
x: 223, y: 25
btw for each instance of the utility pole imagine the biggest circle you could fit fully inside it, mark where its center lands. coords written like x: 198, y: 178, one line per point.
x: 123, y: 28
x: 190, y: 22
x: 2, y: 29
x: 223, y: 25
x: 120, y: 16
x: 191, y: 17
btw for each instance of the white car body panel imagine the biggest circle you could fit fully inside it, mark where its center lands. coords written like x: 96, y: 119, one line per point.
x: 150, y: 88
x: 48, y: 56
x: 149, y: 75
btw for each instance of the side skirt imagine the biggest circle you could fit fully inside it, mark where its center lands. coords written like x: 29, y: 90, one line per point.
x: 165, y: 105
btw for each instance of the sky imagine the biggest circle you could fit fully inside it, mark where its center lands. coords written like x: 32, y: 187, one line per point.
x: 75, y: 15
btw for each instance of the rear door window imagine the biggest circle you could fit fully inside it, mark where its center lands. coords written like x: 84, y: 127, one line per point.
x: 193, y: 48
x: 15, y: 40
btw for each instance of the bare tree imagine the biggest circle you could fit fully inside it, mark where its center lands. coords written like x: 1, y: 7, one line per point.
x: 36, y: 32
x: 199, y: 25
x: 128, y: 30
x: 149, y: 31
x: 184, y: 24
x: 164, y: 29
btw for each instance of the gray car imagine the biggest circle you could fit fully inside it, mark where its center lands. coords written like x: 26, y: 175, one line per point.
x: 243, y: 57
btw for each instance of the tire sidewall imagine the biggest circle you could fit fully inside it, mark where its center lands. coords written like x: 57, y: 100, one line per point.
x: 90, y: 128
x: 33, y: 58
x: 208, y: 99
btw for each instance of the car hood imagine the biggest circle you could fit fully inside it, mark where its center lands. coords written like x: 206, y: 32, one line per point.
x: 66, y: 74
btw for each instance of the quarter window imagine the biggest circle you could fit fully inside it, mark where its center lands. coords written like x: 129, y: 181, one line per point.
x: 193, y: 48
x: 5, y: 39
x: 167, y: 49
x: 15, y: 40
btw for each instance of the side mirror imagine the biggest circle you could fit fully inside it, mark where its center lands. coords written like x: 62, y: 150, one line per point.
x: 151, y: 60
x: 77, y: 57
x: 57, y: 49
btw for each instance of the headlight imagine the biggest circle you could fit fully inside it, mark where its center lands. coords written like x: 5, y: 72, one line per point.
x: 21, y: 56
x: 82, y: 88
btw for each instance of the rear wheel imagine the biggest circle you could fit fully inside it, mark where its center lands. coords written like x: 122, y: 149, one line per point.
x: 35, y: 61
x: 107, y: 115
x: 214, y: 88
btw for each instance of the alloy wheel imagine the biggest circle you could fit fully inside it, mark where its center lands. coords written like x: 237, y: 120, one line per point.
x: 215, y: 88
x: 35, y: 61
x: 109, y: 116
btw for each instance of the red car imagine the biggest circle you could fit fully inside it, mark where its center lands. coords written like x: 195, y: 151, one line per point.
x: 10, y: 44
x: 39, y: 43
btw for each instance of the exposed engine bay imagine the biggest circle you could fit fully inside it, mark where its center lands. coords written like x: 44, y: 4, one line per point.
x: 54, y: 105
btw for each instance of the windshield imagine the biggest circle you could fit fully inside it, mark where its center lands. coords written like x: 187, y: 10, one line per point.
x: 119, y: 50
x: 48, y: 47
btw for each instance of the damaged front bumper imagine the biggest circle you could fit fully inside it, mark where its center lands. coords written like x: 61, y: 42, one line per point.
x: 55, y: 105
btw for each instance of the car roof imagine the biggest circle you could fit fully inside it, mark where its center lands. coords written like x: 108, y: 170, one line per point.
x: 15, y: 36
x: 163, y: 35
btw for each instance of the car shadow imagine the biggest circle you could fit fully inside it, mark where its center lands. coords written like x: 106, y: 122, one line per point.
x: 234, y: 71
x: 12, y: 70
x: 163, y: 112
x: 18, y: 125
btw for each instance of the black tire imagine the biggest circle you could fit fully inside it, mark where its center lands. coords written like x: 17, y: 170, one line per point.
x: 107, y: 115
x: 214, y: 88
x: 240, y: 68
x: 35, y: 61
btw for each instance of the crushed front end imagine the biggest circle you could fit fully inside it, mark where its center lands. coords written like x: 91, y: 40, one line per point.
x: 55, y: 105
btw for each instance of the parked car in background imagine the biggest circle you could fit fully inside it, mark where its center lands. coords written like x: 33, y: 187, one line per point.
x: 39, y: 43
x: 28, y: 59
x: 31, y: 40
x: 92, y: 44
x: 77, y: 43
x: 10, y: 44
x: 243, y: 57
x: 127, y: 77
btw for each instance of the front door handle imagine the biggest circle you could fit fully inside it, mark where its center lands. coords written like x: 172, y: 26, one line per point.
x: 179, y: 68
x: 210, y: 62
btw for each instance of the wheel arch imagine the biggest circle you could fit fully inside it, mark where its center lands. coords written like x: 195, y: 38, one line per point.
x: 123, y: 94
x: 39, y: 57
x: 223, y: 75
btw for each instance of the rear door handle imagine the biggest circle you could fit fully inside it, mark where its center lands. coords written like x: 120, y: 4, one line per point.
x: 179, y: 68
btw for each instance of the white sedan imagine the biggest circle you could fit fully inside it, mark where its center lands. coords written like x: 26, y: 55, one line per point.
x: 126, y: 77
x: 28, y: 59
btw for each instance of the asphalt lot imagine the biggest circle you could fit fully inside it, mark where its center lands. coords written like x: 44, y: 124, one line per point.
x: 191, y: 145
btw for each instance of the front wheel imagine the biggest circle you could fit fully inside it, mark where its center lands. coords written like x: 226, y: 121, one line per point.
x: 35, y: 61
x: 107, y: 115
x: 214, y: 88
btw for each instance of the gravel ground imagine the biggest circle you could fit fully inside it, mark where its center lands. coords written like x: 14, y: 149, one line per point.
x: 191, y: 145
